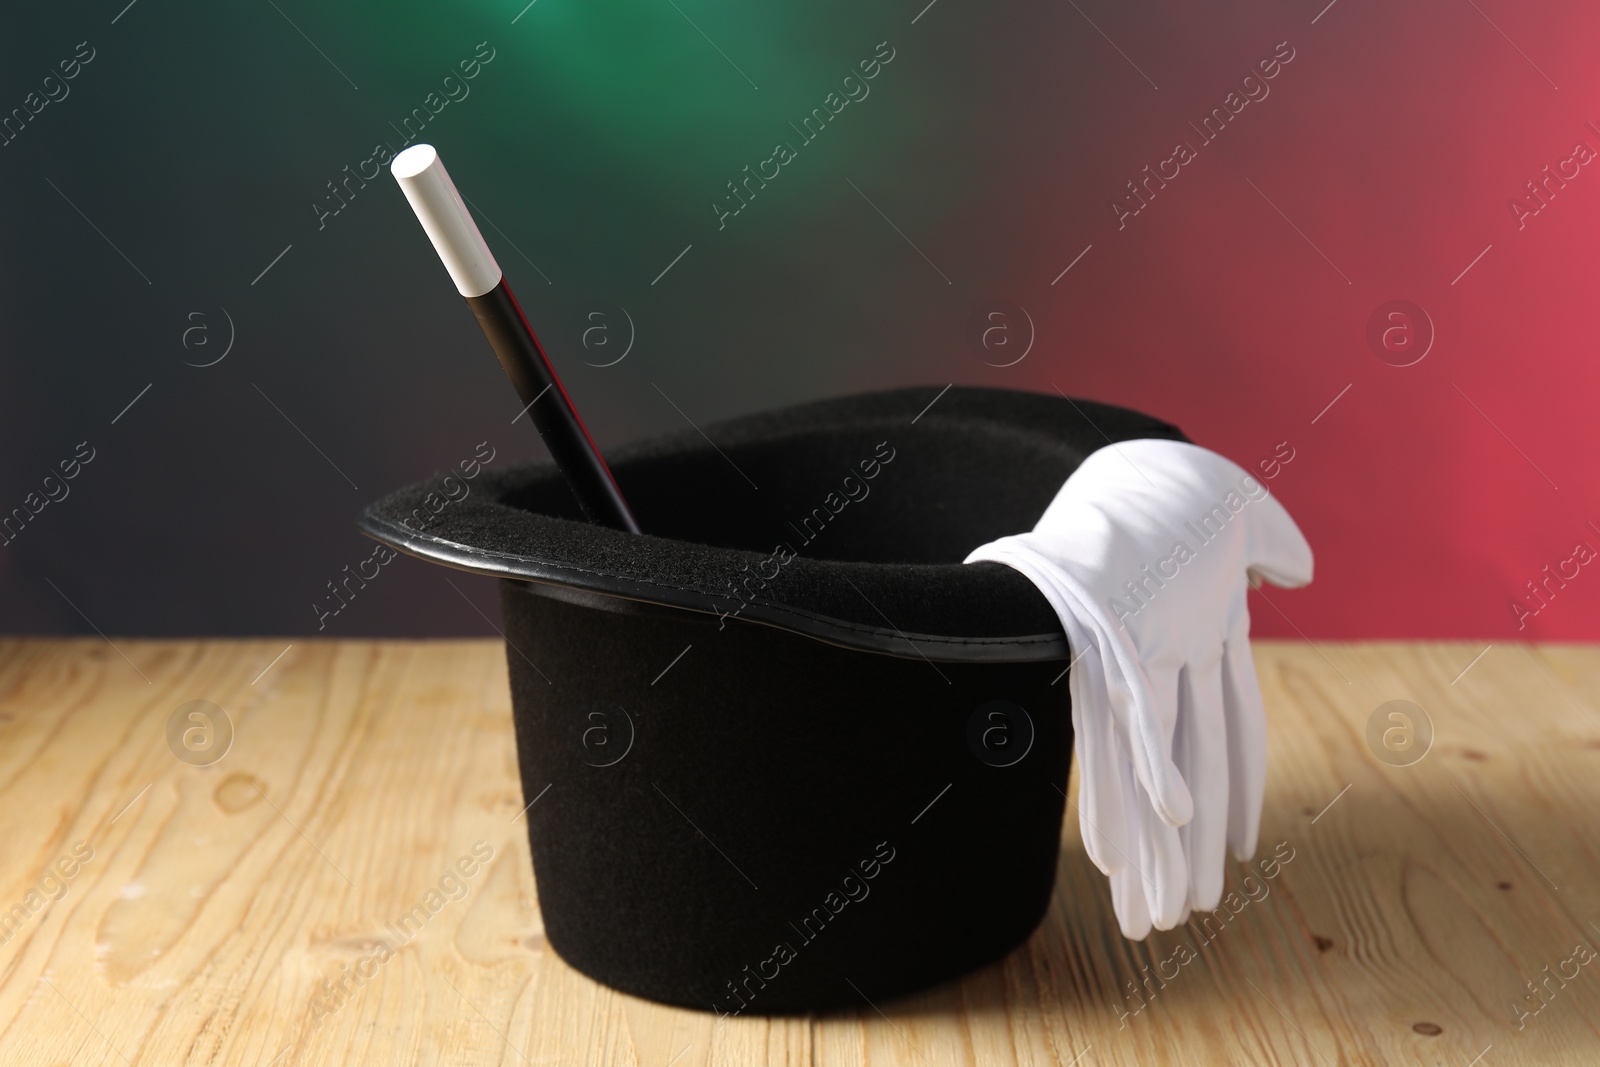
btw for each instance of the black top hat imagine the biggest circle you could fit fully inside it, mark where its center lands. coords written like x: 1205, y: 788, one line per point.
x: 786, y: 750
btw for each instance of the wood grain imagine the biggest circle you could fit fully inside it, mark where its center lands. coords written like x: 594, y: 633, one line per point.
x: 219, y: 906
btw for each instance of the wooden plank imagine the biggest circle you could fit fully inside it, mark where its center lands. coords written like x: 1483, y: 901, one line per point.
x: 234, y: 913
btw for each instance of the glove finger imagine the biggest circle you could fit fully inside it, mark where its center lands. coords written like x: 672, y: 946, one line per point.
x: 1200, y: 746
x: 1247, y: 742
x: 1131, y: 886
x: 1101, y: 812
x: 1275, y: 549
x: 1127, y: 900
x: 1166, y: 881
x: 1153, y: 715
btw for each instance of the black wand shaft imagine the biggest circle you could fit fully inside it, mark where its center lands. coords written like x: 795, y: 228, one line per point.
x: 547, y: 404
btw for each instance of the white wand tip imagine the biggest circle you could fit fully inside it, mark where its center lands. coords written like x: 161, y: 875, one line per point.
x: 444, y: 216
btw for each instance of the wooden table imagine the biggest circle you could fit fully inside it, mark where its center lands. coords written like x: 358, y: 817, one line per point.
x: 167, y: 913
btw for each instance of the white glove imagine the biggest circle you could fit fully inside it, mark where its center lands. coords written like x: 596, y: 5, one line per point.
x: 1145, y: 554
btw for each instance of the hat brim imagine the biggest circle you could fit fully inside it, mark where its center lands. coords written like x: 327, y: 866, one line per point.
x: 845, y: 520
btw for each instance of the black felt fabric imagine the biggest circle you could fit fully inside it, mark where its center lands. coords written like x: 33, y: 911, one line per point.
x: 780, y: 817
x: 689, y: 824
x: 874, y: 560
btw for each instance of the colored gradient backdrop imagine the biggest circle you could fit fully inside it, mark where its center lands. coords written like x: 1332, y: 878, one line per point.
x: 1378, y: 164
